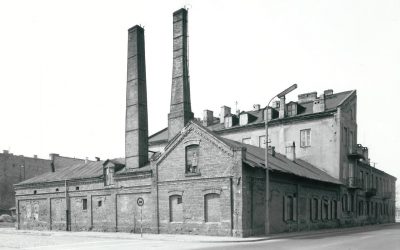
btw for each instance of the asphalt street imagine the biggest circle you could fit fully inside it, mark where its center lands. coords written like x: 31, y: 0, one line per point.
x: 377, y: 237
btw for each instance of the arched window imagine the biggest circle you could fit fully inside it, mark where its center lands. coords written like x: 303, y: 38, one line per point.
x: 212, y: 209
x: 325, y: 209
x: 175, y: 208
x: 192, y: 159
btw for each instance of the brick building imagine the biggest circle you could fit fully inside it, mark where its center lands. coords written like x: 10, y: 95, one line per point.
x: 16, y: 168
x: 208, y: 177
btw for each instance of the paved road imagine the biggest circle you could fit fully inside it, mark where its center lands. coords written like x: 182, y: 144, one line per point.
x: 377, y: 237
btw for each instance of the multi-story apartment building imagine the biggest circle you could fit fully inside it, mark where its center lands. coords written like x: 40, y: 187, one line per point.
x: 17, y: 168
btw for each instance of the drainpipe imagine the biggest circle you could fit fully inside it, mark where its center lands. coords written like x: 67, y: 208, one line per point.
x: 231, y: 193
x: 297, y: 206
x: 66, y: 207
x: 157, y: 202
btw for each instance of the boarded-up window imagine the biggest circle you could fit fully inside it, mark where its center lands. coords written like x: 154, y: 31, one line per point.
x: 212, y: 209
x: 175, y: 208
x: 36, y: 211
x: 192, y: 158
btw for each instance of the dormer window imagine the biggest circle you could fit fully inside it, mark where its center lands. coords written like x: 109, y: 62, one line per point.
x: 192, y: 159
x: 292, y: 109
x: 109, y: 176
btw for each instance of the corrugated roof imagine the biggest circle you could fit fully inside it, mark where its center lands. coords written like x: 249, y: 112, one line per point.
x: 82, y: 171
x: 255, y: 157
x: 62, y: 162
x: 77, y: 171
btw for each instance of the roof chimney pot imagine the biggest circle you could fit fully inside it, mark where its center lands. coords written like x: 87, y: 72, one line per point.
x: 225, y: 111
x: 208, y: 117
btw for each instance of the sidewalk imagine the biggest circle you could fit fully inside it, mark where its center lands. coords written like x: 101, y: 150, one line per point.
x: 191, y: 238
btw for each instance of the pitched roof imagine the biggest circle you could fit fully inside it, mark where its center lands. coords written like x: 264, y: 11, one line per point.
x: 159, y: 137
x: 77, y: 171
x: 83, y: 170
x: 62, y: 162
x: 255, y: 157
x: 331, y: 103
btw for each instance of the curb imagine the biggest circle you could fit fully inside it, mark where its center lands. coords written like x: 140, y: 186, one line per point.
x: 194, y: 238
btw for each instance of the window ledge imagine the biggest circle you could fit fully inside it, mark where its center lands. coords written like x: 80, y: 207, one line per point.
x: 192, y: 174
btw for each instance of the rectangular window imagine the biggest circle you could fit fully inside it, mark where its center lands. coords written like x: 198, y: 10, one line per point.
x: 325, y: 210
x: 290, y: 208
x: 246, y: 141
x: 314, y: 209
x: 84, y: 204
x: 361, y: 208
x: 351, y: 142
x: 292, y: 110
x: 334, y: 209
x: 361, y: 178
x: 261, y: 141
x: 305, y: 138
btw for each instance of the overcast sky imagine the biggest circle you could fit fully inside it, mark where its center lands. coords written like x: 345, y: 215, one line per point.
x: 63, y: 66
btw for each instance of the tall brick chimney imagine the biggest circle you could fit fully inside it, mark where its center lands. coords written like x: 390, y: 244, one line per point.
x: 180, y: 109
x: 136, y: 127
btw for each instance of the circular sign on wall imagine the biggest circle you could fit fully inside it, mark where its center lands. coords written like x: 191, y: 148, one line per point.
x: 140, y: 201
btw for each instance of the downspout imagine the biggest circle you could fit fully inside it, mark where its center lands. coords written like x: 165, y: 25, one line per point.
x: 66, y: 207
x: 157, y: 202
x: 297, y: 207
x: 231, y: 192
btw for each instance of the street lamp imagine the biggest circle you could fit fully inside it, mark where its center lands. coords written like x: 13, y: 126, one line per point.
x: 283, y: 93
